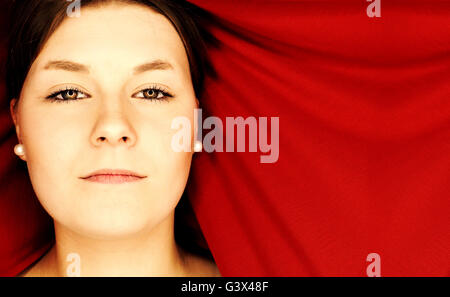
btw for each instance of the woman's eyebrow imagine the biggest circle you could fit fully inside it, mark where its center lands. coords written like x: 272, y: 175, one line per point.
x: 153, y: 65
x: 66, y: 65
x: 77, y: 67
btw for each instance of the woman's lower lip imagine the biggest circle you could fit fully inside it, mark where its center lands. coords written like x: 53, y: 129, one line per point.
x: 112, y: 178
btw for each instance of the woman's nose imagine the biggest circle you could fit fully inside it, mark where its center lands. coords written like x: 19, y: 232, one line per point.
x: 113, y: 128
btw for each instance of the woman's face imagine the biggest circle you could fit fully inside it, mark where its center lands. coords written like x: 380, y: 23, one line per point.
x: 112, y: 124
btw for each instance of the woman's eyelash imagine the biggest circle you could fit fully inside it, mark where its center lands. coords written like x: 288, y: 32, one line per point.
x: 159, y: 90
x: 53, y: 97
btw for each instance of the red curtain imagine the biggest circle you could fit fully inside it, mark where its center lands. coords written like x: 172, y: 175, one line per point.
x: 364, y: 143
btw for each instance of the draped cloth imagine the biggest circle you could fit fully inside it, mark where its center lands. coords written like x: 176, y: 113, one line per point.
x: 364, y: 143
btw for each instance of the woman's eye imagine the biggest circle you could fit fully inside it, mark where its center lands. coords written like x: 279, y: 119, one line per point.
x: 66, y: 95
x: 75, y: 94
x: 152, y: 94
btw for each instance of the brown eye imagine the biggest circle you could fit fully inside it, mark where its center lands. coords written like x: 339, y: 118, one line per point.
x: 153, y: 94
x: 150, y: 94
x: 70, y: 94
x: 67, y: 95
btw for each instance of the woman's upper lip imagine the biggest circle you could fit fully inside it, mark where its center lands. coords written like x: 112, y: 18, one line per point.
x: 114, y: 172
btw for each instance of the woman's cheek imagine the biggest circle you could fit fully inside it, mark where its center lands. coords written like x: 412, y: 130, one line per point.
x: 172, y: 166
x: 53, y: 154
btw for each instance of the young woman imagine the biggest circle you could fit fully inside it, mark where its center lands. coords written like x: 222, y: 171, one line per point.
x: 93, y: 100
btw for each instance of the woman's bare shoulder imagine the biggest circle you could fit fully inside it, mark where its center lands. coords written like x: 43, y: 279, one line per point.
x: 39, y: 268
x: 203, y: 267
x: 32, y: 271
x: 198, y: 267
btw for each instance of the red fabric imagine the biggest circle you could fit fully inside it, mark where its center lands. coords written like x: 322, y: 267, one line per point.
x: 25, y: 229
x: 364, y: 165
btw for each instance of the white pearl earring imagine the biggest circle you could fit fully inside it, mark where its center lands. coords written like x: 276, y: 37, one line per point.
x: 19, y: 149
x: 198, y: 147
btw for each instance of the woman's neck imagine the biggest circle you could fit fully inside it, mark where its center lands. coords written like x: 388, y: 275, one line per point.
x: 148, y: 253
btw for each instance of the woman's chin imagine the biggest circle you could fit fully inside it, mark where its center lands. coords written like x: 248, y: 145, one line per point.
x: 110, y: 229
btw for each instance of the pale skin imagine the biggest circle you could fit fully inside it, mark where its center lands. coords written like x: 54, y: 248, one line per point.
x: 116, y: 229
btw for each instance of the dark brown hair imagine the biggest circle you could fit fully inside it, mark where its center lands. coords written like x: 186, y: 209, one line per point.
x: 33, y: 21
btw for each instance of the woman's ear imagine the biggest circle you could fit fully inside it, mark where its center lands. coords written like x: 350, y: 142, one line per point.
x: 196, y: 145
x: 12, y: 110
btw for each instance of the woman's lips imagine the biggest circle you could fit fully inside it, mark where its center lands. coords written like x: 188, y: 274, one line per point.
x: 113, y: 178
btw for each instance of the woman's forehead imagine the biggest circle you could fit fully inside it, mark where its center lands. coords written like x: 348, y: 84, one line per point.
x: 127, y: 36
